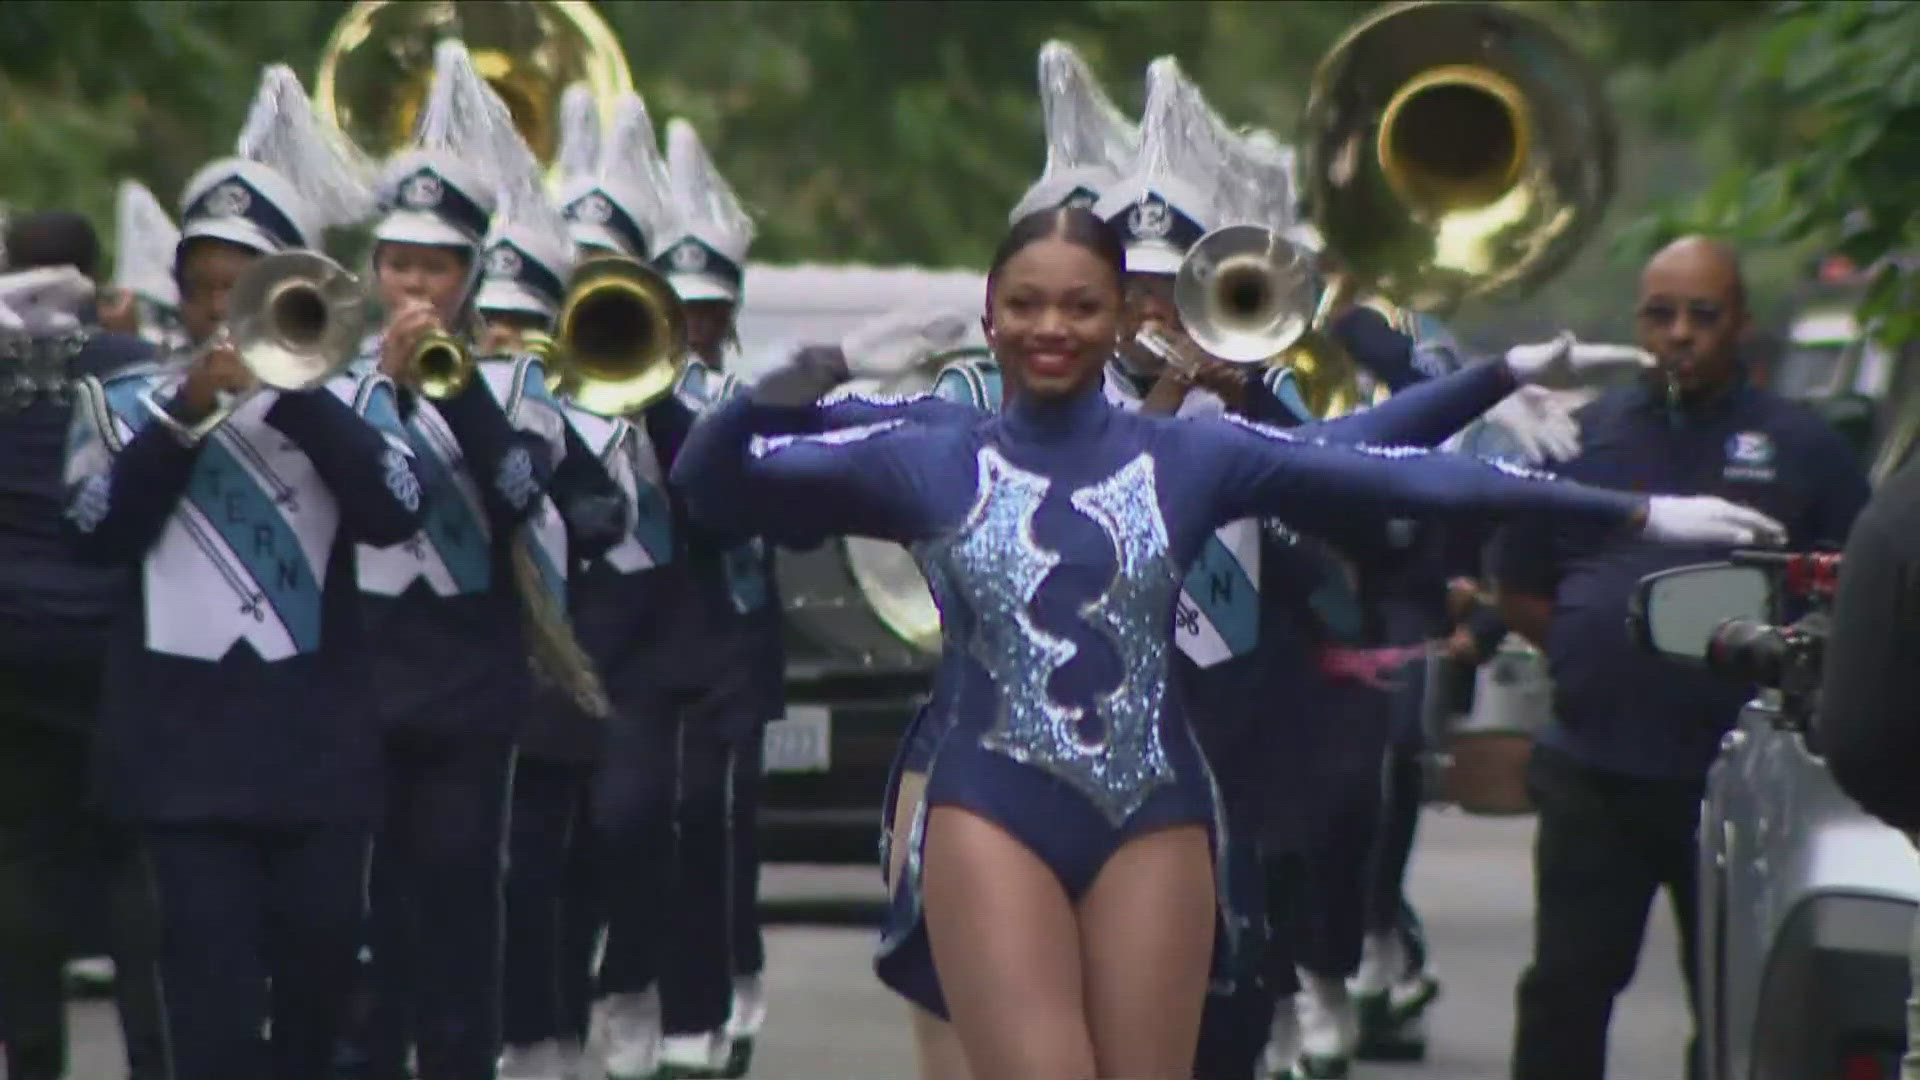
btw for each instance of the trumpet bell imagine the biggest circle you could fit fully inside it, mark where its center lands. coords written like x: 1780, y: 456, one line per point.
x: 620, y: 336
x: 378, y: 62
x: 442, y: 365
x: 1455, y: 149
x: 1245, y: 292
x: 297, y: 319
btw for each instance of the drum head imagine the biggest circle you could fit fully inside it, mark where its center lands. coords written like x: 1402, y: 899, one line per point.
x: 861, y: 601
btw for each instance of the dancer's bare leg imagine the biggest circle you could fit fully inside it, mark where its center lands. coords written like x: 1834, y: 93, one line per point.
x: 1008, y: 954
x: 1146, y: 934
x: 935, y: 1044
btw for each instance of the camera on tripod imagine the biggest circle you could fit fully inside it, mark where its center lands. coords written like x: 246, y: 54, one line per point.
x: 1758, y: 618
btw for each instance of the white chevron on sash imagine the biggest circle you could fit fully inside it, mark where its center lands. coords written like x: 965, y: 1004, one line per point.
x: 519, y: 385
x: 1193, y: 631
x: 627, y: 453
x: 389, y: 571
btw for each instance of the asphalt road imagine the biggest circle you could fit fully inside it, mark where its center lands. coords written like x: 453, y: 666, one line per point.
x: 830, y: 1020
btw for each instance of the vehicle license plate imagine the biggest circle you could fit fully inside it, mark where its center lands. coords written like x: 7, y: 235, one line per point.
x: 801, y: 742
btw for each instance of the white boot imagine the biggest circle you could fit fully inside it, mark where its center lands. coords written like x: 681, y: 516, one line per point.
x: 1283, y: 1040
x: 626, y: 1030
x: 703, y: 1054
x: 749, y: 1012
x: 1329, y: 1028
x: 537, y: 1061
x: 574, y: 1064
x: 1382, y: 959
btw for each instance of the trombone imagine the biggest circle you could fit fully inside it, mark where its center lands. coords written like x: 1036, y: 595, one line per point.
x: 619, y: 339
x: 295, y: 319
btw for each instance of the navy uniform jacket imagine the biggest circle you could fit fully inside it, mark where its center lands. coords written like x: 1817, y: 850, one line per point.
x: 1616, y: 707
x: 451, y: 654
x: 588, y: 515
x: 722, y: 643
x: 237, y: 687
x: 54, y: 606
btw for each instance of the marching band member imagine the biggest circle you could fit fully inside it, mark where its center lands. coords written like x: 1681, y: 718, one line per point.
x: 627, y: 611
x: 237, y: 731
x: 56, y: 611
x: 551, y: 910
x: 1066, y: 864
x: 730, y: 677
x: 452, y: 669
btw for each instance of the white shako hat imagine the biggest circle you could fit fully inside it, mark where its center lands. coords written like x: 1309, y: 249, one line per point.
x: 1090, y: 142
x: 578, y: 155
x: 293, y: 176
x: 528, y: 252
x: 1170, y: 198
x: 444, y: 188
x: 145, y: 243
x: 705, y: 255
x: 624, y: 203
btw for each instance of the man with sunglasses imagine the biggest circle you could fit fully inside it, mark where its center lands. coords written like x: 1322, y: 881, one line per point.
x: 1617, y: 776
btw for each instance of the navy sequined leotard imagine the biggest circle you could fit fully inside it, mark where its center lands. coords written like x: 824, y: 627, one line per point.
x: 1055, y: 535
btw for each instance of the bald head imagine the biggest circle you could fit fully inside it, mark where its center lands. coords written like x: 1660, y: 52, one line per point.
x: 1692, y: 312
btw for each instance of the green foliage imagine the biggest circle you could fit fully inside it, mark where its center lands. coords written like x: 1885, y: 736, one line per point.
x: 902, y: 131
x: 1837, y: 166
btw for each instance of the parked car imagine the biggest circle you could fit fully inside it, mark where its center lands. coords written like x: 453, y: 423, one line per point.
x: 1807, y: 903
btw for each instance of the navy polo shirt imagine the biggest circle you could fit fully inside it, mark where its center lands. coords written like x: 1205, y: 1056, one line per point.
x: 1616, y: 707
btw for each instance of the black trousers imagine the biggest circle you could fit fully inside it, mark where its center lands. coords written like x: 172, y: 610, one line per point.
x: 1607, y: 842
x: 1403, y: 794
x: 258, y: 923
x: 749, y: 947
x: 1233, y: 1031
x: 438, y: 876
x: 56, y: 860
x: 552, y: 906
x: 1334, y: 875
x: 668, y: 891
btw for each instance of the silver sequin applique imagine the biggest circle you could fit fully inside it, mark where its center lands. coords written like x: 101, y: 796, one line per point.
x: 999, y: 566
x: 762, y: 445
x: 1119, y: 770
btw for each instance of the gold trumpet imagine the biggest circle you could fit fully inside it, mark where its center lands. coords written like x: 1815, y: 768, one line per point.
x: 442, y: 365
x: 620, y: 336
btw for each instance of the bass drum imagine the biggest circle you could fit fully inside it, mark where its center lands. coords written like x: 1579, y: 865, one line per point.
x: 861, y: 601
x: 1487, y: 749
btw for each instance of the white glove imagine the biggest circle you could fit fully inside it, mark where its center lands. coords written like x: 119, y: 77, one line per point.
x: 1565, y: 363
x: 899, y: 343
x: 1540, y: 423
x: 47, y: 300
x: 1709, y: 519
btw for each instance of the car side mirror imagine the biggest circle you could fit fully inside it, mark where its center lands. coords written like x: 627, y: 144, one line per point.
x: 1674, y: 613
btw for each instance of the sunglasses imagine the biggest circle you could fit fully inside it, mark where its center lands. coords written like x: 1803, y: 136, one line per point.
x: 1705, y: 314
